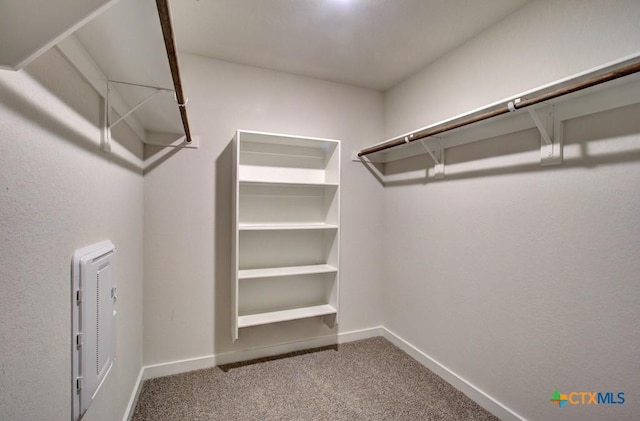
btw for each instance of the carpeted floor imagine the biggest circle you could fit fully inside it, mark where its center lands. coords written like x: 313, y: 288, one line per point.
x: 363, y: 380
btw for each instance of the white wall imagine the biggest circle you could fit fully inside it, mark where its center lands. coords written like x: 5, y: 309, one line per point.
x: 58, y: 193
x: 542, y: 42
x: 521, y: 279
x: 187, y: 208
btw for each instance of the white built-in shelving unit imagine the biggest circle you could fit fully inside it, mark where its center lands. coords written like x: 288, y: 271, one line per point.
x: 286, y: 199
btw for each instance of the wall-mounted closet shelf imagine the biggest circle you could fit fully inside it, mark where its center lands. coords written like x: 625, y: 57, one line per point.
x: 127, y: 53
x: 30, y: 28
x: 286, y: 221
x: 285, y: 315
x: 546, y: 108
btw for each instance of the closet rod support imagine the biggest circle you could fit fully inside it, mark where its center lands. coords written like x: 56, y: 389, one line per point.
x: 105, y: 141
x: 543, y: 130
x: 550, y: 128
x: 429, y: 151
x: 438, y: 158
x: 135, y: 107
x: 158, y: 88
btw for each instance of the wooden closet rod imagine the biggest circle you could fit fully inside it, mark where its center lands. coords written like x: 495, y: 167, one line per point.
x: 170, y: 45
x: 506, y: 108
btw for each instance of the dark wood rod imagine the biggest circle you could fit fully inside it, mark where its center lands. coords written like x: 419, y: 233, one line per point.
x: 504, y: 108
x: 169, y: 43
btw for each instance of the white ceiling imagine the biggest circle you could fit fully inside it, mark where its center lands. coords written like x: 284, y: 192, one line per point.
x: 369, y: 43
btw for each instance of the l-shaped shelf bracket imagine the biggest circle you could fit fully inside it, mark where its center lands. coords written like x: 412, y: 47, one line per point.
x: 105, y: 141
x: 438, y: 158
x: 105, y: 144
x: 550, y: 136
x: 550, y: 129
x: 156, y: 91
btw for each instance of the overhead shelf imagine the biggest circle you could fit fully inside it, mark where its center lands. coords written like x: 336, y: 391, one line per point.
x: 546, y: 108
x: 285, y: 315
x: 30, y: 28
x: 128, y: 54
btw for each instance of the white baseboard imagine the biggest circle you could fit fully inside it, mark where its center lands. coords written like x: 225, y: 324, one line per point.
x: 180, y: 366
x: 133, y: 400
x: 474, y: 393
x: 208, y: 361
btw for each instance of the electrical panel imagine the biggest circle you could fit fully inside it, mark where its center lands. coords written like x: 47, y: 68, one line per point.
x: 93, y: 302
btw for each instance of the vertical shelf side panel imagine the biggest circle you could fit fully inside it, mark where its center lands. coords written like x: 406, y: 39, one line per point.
x: 234, y: 236
x: 339, y: 211
x: 333, y: 172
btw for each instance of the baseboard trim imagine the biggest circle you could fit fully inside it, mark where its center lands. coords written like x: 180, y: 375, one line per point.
x: 133, y: 400
x: 180, y: 366
x: 473, y: 392
x: 208, y: 361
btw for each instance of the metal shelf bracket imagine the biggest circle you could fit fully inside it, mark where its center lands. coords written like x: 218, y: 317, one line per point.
x: 105, y: 140
x: 438, y: 158
x: 107, y: 125
x: 550, y: 129
x: 156, y: 91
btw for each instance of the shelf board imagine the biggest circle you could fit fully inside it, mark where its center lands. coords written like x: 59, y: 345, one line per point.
x: 286, y: 227
x: 285, y: 139
x: 285, y: 271
x: 285, y: 315
x: 286, y: 183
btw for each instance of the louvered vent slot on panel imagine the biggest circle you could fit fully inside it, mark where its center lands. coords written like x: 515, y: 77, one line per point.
x: 93, y: 302
x: 104, y: 314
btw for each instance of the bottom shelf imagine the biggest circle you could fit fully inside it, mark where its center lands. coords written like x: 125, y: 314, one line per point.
x: 285, y: 315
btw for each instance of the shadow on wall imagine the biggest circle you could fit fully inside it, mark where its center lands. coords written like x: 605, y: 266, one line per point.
x: 605, y: 138
x: 70, y: 112
x: 155, y: 155
x: 222, y: 250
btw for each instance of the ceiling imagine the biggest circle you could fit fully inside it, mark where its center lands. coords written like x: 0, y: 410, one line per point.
x: 369, y: 43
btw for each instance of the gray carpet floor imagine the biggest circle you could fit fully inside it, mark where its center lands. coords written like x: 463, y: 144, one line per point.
x: 363, y: 380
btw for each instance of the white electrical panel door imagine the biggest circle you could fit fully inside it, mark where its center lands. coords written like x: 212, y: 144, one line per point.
x: 94, y: 311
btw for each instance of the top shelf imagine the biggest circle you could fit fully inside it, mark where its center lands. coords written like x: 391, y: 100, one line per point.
x: 287, y: 140
x: 277, y: 183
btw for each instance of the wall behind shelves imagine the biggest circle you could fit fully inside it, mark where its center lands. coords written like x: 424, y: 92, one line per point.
x: 59, y: 192
x: 187, y: 208
x: 522, y: 279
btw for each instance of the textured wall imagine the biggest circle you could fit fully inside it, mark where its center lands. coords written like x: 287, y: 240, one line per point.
x: 58, y: 193
x: 544, y: 41
x: 187, y: 208
x: 523, y: 279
